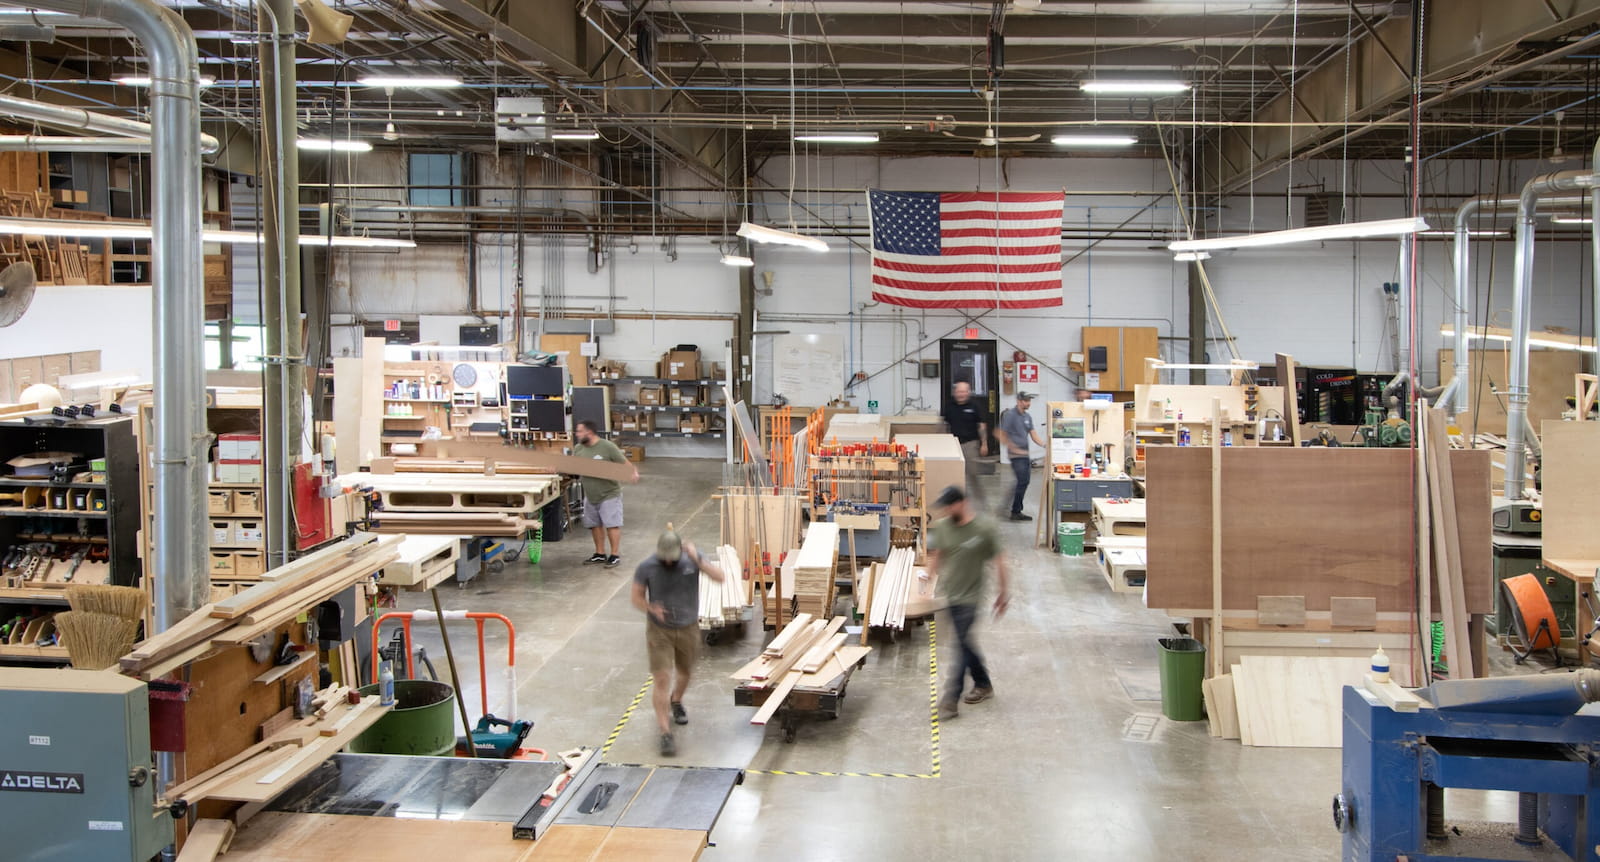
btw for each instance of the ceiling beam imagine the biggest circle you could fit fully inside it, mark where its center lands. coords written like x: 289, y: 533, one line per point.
x: 1461, y: 37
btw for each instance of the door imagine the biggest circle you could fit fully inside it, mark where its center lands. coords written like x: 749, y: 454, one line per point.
x: 971, y: 361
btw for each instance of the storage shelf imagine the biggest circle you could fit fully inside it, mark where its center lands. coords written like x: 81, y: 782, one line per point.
x: 663, y: 408
x: 712, y: 434
x: 35, y: 653
x: 34, y: 596
x: 608, y: 381
x: 10, y: 512
x: 41, y: 483
x: 419, y: 400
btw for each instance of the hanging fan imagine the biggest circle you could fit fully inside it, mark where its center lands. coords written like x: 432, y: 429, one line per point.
x: 989, y: 139
x: 16, y: 291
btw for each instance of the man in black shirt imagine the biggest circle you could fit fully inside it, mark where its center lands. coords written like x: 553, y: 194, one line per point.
x: 969, y: 422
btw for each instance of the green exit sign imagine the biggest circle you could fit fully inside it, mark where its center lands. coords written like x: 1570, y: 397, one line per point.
x: 872, y: 406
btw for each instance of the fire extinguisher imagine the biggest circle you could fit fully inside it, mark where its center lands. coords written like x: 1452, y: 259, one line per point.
x: 1008, y: 377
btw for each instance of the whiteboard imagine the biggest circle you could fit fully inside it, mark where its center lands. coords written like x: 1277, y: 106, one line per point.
x: 808, y: 370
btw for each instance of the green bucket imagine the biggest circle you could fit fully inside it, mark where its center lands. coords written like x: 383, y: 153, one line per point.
x: 1183, y: 668
x: 1069, y: 539
x: 423, y: 721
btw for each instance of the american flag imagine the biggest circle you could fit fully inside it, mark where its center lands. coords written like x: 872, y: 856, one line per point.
x: 966, y: 249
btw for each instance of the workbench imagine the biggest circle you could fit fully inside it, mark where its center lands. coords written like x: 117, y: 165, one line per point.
x: 1582, y: 574
x: 378, y: 808
x: 459, y: 503
x: 1118, y: 516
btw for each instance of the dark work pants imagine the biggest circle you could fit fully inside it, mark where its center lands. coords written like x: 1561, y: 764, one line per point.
x: 968, y: 659
x: 1022, y: 469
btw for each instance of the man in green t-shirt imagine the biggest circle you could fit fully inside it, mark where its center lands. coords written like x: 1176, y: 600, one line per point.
x: 961, y: 546
x: 602, y: 498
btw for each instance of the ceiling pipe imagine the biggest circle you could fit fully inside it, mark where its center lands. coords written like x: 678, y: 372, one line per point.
x: 79, y: 120
x: 49, y: 144
x: 178, y: 546
x: 1522, y: 319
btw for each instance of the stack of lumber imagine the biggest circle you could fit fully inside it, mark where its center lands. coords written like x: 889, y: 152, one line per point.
x: 726, y: 602
x: 1283, y: 701
x: 808, y: 652
x: 283, y: 594
x: 896, y: 589
x: 814, y: 568
x: 1441, y: 525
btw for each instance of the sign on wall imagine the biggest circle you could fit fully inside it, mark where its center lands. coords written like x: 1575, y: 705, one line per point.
x: 1027, y: 372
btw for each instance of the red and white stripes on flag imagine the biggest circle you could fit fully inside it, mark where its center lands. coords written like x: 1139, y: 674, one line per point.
x: 966, y: 249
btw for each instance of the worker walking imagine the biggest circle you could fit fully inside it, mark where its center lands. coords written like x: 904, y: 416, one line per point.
x: 1016, y: 429
x: 667, y: 588
x: 969, y: 422
x: 961, y: 547
x: 602, y: 498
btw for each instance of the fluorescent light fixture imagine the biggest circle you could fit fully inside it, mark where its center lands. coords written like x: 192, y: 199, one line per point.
x: 142, y: 230
x: 574, y: 135
x: 1572, y: 220
x: 414, y: 82
x: 1470, y: 232
x: 1350, y: 230
x: 1094, y: 140
x: 1191, y: 256
x: 1552, y: 340
x: 1134, y: 88
x: 837, y: 137
x: 737, y: 260
x: 333, y: 145
x: 145, y: 80
x: 764, y: 234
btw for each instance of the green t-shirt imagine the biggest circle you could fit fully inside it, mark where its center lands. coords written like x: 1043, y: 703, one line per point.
x: 964, y: 552
x: 595, y: 490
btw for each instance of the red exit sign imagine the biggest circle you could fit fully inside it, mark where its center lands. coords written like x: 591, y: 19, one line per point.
x: 391, y: 326
x: 972, y: 332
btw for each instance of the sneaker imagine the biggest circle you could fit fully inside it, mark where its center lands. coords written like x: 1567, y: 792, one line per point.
x: 678, y: 715
x: 947, y: 708
x: 612, y: 561
x: 595, y: 558
x: 978, y: 695
x: 1018, y: 516
x: 669, y: 746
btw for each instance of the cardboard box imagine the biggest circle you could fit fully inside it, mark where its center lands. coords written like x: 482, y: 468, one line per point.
x: 651, y: 395
x: 634, y: 453
x: 680, y: 365
x: 239, y: 471
x: 247, y: 502
x: 221, y: 563
x: 249, y: 563
x: 238, y: 447
x: 695, y: 422
x: 219, y: 502
x: 685, y: 396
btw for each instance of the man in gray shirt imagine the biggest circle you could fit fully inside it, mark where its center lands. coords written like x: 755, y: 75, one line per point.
x: 1016, y: 428
x: 667, y: 588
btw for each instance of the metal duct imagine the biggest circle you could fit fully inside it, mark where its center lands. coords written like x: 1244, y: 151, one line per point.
x: 50, y: 144
x: 79, y: 120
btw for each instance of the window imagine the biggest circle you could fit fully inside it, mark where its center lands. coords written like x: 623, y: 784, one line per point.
x: 248, y: 346
x: 432, y: 170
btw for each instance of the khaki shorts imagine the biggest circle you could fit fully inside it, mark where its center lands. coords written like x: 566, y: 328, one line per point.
x: 669, y: 648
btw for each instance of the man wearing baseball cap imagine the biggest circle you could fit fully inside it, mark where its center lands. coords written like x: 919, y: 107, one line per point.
x: 667, y: 588
x: 1016, y: 428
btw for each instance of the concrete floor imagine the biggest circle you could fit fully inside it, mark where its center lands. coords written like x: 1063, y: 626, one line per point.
x: 1072, y: 759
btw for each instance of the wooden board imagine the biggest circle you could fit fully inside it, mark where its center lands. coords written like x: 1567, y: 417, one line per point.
x: 273, y: 836
x: 1222, y: 713
x: 1571, y: 486
x: 569, y: 842
x: 572, y: 344
x: 1357, y: 612
x: 1281, y: 610
x: 552, y: 461
x: 1549, y: 383
x: 1296, y: 701
x: 625, y: 844
x: 1241, y: 680
x: 207, y: 840
x: 1317, y: 522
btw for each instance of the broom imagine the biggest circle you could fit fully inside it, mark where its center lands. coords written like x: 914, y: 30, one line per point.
x: 125, y: 602
x: 95, y: 641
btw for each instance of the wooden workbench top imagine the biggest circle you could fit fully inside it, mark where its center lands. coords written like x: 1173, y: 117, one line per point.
x: 284, y: 837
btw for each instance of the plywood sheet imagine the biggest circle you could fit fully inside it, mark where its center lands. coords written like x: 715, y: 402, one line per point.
x: 1549, y: 383
x: 625, y: 844
x: 1571, y: 485
x: 572, y: 345
x: 1316, y: 522
x: 1295, y: 701
x: 569, y: 842
x: 284, y: 837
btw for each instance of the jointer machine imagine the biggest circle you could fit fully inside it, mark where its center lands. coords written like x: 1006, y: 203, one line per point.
x: 1535, y: 735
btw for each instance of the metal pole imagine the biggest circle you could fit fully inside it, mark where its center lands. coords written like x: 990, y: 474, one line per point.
x: 79, y: 120
x: 1197, y: 325
x: 1455, y: 397
x: 283, y: 388
x: 63, y: 144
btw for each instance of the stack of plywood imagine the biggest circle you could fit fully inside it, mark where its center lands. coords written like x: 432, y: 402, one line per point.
x: 943, y: 463
x: 1283, y: 701
x: 728, y: 601
x: 807, y: 652
x: 814, y: 570
x: 856, y: 428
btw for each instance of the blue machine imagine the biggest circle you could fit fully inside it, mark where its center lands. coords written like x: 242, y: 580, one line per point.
x: 1524, y: 734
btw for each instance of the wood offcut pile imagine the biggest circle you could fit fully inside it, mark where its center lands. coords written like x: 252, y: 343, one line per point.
x: 813, y: 570
x: 897, y: 589
x: 728, y: 602
x: 808, y: 652
x: 283, y: 594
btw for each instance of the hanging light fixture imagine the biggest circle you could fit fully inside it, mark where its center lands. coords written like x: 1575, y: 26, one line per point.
x: 141, y: 230
x: 1350, y: 230
x: 773, y: 236
x: 737, y: 260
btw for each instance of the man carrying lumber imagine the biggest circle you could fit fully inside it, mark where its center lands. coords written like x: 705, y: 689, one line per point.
x: 602, y: 498
x: 1016, y: 427
x: 961, y: 546
x: 969, y: 422
x: 667, y: 588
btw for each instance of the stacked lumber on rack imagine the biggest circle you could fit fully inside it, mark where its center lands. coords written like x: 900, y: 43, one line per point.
x: 808, y: 652
x: 726, y: 602
x: 283, y: 594
x: 896, y: 589
x: 813, y: 570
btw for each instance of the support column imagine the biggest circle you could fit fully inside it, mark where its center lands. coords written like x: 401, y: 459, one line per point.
x: 745, y: 331
x: 283, y: 380
x: 1197, y: 324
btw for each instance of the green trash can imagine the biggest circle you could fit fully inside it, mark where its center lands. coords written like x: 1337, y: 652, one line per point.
x: 1183, y: 668
x: 1069, y: 539
x: 421, y: 723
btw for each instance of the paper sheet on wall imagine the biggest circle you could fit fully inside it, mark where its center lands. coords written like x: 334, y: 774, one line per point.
x: 1067, y: 441
x: 808, y: 370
